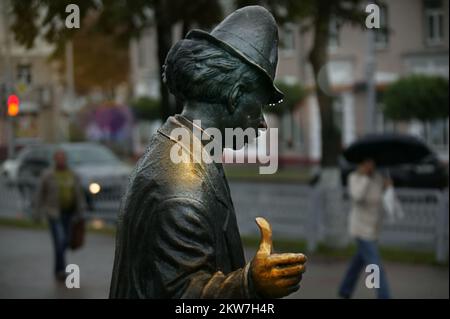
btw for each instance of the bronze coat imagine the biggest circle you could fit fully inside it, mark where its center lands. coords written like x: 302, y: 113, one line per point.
x: 177, y: 232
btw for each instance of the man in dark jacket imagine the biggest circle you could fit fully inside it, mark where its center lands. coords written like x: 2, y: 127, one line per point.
x: 177, y: 232
x: 59, y: 197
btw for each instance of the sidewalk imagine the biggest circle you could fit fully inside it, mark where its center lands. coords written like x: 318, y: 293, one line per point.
x: 26, y: 271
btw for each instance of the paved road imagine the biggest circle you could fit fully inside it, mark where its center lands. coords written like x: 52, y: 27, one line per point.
x: 26, y: 261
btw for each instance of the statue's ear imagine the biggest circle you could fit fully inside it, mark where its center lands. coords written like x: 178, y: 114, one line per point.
x: 234, y: 96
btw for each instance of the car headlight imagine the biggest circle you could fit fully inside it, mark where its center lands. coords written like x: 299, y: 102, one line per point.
x: 94, y: 188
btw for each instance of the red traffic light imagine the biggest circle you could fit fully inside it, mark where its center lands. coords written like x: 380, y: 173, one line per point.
x: 13, y: 105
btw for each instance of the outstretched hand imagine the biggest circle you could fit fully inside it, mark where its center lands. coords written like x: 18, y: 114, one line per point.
x: 275, y: 275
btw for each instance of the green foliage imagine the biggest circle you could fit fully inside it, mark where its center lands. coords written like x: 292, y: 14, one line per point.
x: 146, y: 108
x: 306, y: 11
x: 315, y: 16
x: 419, y: 97
x: 43, y: 17
x: 119, y: 20
x: 293, y: 95
x: 122, y: 20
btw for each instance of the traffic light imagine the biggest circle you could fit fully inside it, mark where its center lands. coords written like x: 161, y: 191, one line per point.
x: 13, y: 105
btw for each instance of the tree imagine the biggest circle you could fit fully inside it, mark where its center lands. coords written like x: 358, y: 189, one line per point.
x: 316, y: 15
x: 419, y: 97
x: 122, y: 19
x: 203, y: 13
x: 99, y: 62
x: 294, y: 94
x: 96, y: 55
x: 45, y: 18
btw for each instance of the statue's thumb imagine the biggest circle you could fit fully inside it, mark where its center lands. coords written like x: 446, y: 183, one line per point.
x: 265, y: 247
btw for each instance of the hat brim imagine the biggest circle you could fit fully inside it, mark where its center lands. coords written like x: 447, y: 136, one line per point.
x: 276, y: 96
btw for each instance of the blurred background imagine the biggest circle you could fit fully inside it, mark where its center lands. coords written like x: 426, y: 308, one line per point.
x: 96, y: 92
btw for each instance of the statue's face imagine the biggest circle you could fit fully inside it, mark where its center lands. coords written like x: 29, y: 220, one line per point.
x: 253, y: 96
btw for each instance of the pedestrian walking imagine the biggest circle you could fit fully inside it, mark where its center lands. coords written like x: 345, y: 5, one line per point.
x: 59, y: 198
x: 366, y: 187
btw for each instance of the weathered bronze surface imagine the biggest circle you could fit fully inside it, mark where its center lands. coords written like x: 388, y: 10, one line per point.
x: 177, y: 232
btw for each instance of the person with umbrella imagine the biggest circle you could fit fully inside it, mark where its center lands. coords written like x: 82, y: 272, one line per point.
x: 366, y: 187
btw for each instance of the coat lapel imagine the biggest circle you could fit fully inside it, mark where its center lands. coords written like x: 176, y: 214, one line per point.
x: 213, y: 172
x: 216, y: 179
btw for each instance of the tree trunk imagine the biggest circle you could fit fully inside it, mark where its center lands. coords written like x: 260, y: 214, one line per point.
x: 164, y: 40
x: 280, y: 141
x: 319, y: 57
x: 291, y: 138
x: 179, y: 104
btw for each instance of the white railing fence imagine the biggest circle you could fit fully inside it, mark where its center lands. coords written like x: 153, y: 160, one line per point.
x: 302, y: 212
x: 321, y: 216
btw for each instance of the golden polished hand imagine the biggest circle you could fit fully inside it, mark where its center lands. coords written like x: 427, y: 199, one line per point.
x: 275, y: 275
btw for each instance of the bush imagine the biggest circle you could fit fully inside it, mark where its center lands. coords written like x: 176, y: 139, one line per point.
x: 293, y: 94
x: 419, y: 97
x: 146, y: 108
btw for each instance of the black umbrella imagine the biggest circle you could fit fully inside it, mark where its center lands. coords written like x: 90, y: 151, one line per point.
x: 387, y: 149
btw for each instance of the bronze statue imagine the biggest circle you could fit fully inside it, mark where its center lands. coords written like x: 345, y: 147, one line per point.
x: 177, y: 232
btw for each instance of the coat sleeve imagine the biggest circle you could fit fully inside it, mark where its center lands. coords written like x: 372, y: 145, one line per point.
x: 185, y: 256
x: 358, y: 186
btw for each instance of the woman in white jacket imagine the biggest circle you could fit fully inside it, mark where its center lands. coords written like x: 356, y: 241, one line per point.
x: 366, y: 188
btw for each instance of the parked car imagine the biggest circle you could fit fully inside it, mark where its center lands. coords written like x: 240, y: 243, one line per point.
x: 8, y: 170
x: 9, y: 167
x: 101, y: 172
x: 428, y: 173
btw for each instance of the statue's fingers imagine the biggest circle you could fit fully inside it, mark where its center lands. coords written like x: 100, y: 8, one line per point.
x: 289, y: 271
x: 288, y: 282
x: 265, y: 246
x: 286, y: 259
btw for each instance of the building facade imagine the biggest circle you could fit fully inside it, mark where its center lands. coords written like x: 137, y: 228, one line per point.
x: 28, y: 74
x: 413, y: 38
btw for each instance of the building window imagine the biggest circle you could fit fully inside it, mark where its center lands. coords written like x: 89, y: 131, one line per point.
x: 142, y: 52
x: 434, y: 22
x: 287, y: 38
x: 436, y: 64
x: 24, y: 74
x: 333, y: 38
x: 382, y: 34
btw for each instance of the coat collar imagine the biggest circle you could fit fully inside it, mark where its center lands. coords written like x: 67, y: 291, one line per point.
x: 212, y: 172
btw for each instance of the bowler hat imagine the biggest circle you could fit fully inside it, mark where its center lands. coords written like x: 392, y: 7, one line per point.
x: 250, y: 34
